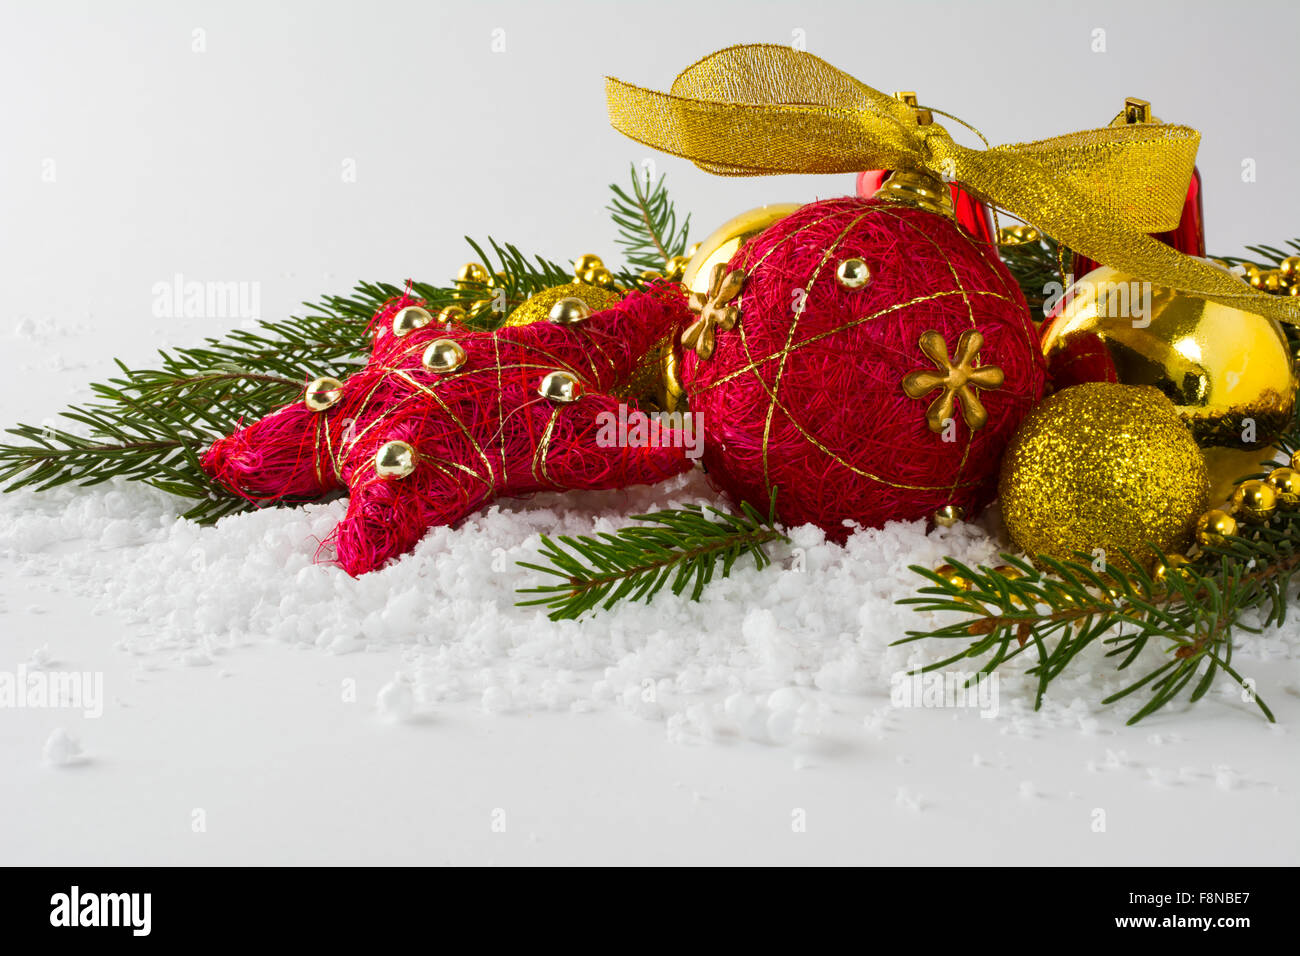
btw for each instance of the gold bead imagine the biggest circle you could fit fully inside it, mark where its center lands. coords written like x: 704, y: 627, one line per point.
x: 409, y: 319
x: 479, y: 306
x: 473, y: 273
x: 1286, y: 482
x: 323, y: 393
x: 949, y: 515
x: 569, y: 311
x: 649, y: 275
x: 1271, y: 280
x: 395, y: 459
x: 852, y: 273
x: 452, y: 315
x: 586, y: 263
x: 1253, y: 275
x: 1173, y: 565
x: 598, y: 275
x: 953, y: 576
x: 1214, y: 526
x: 443, y: 355
x: 1294, y: 289
x: 1255, y: 501
x: 675, y: 267
x: 690, y: 253
x: 1290, y: 267
x: 1020, y: 235
x: 561, y: 388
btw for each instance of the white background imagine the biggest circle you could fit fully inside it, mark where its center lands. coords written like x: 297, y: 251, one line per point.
x: 227, y: 165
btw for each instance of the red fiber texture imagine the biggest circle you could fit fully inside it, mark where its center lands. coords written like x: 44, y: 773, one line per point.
x: 805, y: 395
x: 480, y: 432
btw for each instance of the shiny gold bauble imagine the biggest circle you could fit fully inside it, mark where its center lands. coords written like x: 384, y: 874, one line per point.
x: 723, y: 242
x: 1102, y: 466
x: 322, y: 393
x: 569, y: 311
x: 538, y: 307
x: 452, y: 315
x: 561, y: 388
x: 1018, y: 235
x: 949, y: 515
x: 852, y: 273
x: 675, y: 267
x: 953, y: 576
x: 1290, y: 267
x: 597, y: 276
x: 585, y: 262
x: 1162, y: 571
x: 1286, y: 482
x: 473, y: 274
x: 409, y: 319
x: 1255, y: 501
x: 395, y: 459
x: 1228, y: 372
x: 443, y: 355
x: 1214, y: 526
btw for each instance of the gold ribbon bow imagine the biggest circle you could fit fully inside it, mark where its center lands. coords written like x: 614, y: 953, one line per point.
x: 761, y: 109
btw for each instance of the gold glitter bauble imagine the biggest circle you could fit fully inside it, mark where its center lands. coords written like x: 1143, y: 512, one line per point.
x: 646, y: 387
x: 723, y: 242
x: 538, y: 307
x: 1102, y: 466
x: 1228, y: 372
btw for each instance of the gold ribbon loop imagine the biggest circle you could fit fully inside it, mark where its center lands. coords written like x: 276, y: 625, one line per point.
x: 763, y: 109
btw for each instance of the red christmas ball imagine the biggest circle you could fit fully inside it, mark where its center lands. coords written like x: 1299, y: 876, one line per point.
x: 805, y: 395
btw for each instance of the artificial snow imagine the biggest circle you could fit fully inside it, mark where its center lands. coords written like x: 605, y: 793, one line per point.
x: 772, y: 657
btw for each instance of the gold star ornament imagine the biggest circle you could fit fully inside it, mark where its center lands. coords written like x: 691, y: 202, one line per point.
x: 714, y: 309
x: 957, y: 379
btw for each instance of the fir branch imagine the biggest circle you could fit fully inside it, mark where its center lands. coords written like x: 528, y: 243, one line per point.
x: 675, y: 548
x: 153, y: 424
x: 1058, y: 608
x: 1036, y: 269
x: 647, y: 224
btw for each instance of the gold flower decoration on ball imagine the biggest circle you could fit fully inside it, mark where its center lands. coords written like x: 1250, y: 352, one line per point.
x: 957, y: 378
x: 715, y: 310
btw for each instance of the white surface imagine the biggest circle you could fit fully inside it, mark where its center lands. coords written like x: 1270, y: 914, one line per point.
x: 224, y: 654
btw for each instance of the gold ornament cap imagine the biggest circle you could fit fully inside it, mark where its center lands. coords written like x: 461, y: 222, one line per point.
x: 443, y: 355
x: 561, y: 388
x: 395, y: 459
x: 570, y: 310
x: 323, y: 393
x: 409, y: 319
